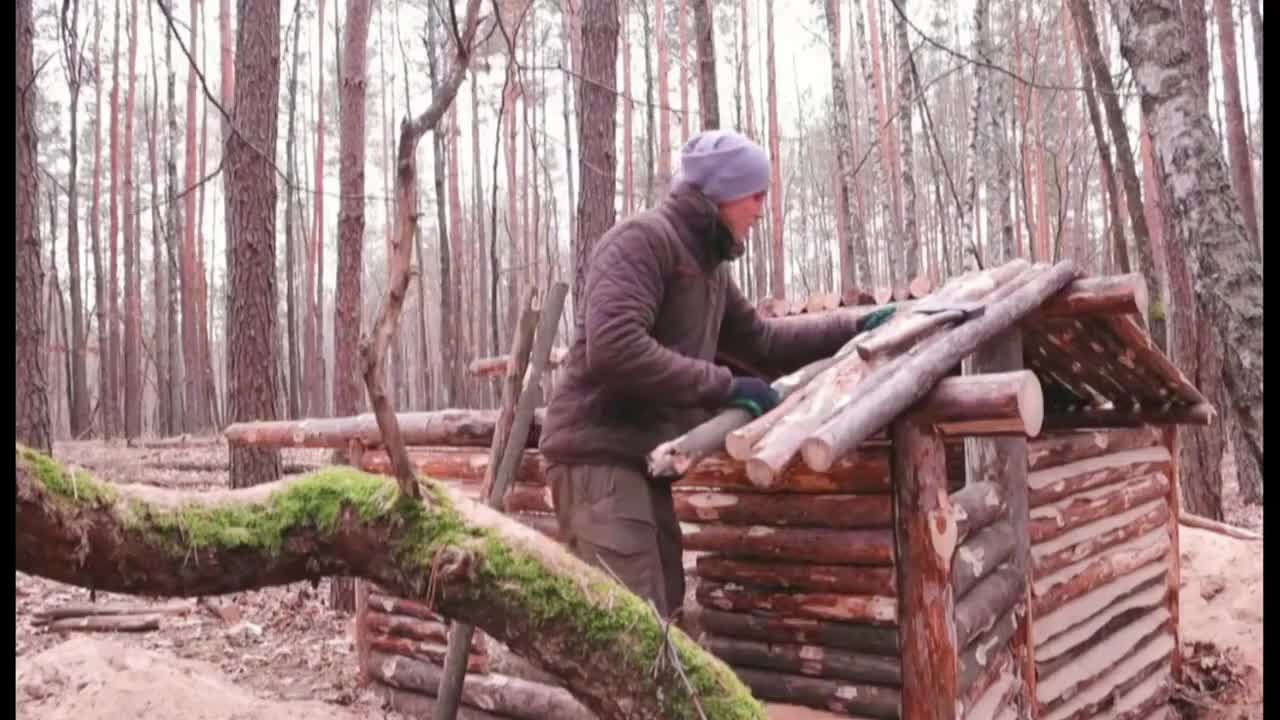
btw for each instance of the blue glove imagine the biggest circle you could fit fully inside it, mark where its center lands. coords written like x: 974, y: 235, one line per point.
x: 753, y: 395
x: 877, y: 317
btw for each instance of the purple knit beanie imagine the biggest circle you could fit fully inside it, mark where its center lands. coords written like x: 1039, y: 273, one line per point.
x: 724, y: 164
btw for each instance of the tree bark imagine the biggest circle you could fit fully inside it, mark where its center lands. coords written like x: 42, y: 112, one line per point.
x: 597, y: 128
x: 705, y: 47
x: 290, y: 221
x: 133, y: 294
x: 1226, y: 273
x: 251, y: 220
x: 1087, y: 27
x: 95, y: 222
x: 1237, y: 139
x: 173, y: 279
x: 854, y: 266
x: 112, y: 388
x: 807, y: 660
x: 778, y: 278
x: 30, y: 391
x: 597, y: 639
x: 74, y: 65
x: 197, y: 416
x: 906, y: 99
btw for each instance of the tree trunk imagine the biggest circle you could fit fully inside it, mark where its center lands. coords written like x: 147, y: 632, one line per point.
x: 705, y: 47
x: 597, y: 640
x: 1088, y: 29
x: 133, y: 298
x: 449, y: 355
x: 1196, y: 22
x: 663, y: 178
x: 290, y: 221
x: 173, y: 281
x: 251, y: 220
x: 80, y: 419
x: 778, y: 280
x: 1237, y: 140
x: 1119, y: 248
x: 597, y: 127
x: 159, y: 297
x: 1226, y: 273
x: 905, y: 102
x: 112, y: 388
x: 854, y: 268
x: 628, y: 107
x: 196, y: 417
x: 95, y: 222
x: 457, y: 253
x: 30, y: 390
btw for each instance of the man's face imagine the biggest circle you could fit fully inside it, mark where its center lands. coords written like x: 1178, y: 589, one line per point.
x: 741, y: 214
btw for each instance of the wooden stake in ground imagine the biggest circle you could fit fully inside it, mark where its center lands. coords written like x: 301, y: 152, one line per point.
x: 455, y: 666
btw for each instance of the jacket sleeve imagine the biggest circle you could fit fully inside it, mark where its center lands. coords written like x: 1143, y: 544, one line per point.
x: 624, y: 291
x: 783, y: 344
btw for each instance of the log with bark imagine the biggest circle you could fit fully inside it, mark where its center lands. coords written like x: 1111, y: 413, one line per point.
x: 813, y: 545
x: 854, y: 579
x: 834, y: 510
x: 1098, y: 536
x: 1201, y: 414
x: 432, y: 653
x: 992, y: 689
x: 1066, y: 674
x: 1075, y: 617
x: 863, y: 471
x: 879, y: 610
x: 1003, y: 403
x: 856, y: 699
x: 1060, y: 448
x: 1110, y: 295
x: 492, y: 367
x: 106, y: 623
x: 472, y: 428
x: 812, y: 660
x: 913, y: 375
x: 1221, y: 528
x: 405, y: 626
x: 467, y: 464
x: 1063, y: 650
x: 1050, y: 485
x: 467, y: 561
x: 1130, y: 688
x: 1053, y: 519
x: 984, y: 651
x: 1057, y: 589
x: 807, y: 631
x: 977, y: 505
x: 997, y: 595
x: 981, y: 554
x: 81, y: 610
x: 504, y: 696
x: 420, y: 705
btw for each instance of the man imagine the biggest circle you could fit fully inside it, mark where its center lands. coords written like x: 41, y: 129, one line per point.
x: 657, y: 306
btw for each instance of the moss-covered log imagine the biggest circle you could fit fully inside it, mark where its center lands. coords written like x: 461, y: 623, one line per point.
x: 468, y: 561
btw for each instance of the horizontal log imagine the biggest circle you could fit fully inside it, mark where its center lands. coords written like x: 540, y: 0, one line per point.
x: 455, y: 463
x: 835, y: 510
x: 1078, y: 614
x: 862, y: 700
x: 496, y: 366
x: 1095, y: 537
x: 977, y: 505
x: 811, y: 660
x: 980, y: 555
x: 814, y: 545
x: 429, y: 652
x: 391, y: 605
x: 1124, y: 687
x: 499, y: 694
x: 879, y: 610
x: 1091, y: 664
x: 1055, y: 483
x: 1061, y: 447
x: 1050, y: 520
x: 406, y: 626
x: 1100, y: 637
x: 106, y: 623
x: 1056, y: 589
x: 987, y: 602
x: 1214, y: 526
x: 437, y: 427
x: 984, y: 651
x: 1099, y: 626
x: 1142, y: 351
x: 1199, y: 415
x: 528, y: 498
x: 77, y: 610
x: 808, y: 631
x: 865, y: 471
x: 1108, y: 295
x: 985, y: 404
x: 419, y: 705
x: 997, y: 695
x: 858, y: 580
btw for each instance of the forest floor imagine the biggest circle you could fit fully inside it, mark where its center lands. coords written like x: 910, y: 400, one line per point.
x: 282, y: 653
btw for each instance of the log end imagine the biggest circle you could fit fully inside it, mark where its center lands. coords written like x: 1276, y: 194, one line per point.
x: 1031, y: 404
x: 817, y: 454
x: 761, y: 474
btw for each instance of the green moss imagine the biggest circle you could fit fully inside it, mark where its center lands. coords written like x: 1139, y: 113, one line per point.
x: 76, y: 485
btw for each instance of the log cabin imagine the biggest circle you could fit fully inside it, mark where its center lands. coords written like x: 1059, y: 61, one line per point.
x: 970, y: 512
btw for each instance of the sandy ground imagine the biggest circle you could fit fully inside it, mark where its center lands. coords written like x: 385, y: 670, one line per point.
x: 281, y: 653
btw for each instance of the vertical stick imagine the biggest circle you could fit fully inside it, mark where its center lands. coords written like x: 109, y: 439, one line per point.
x: 1173, y: 441
x: 925, y: 539
x: 1003, y: 461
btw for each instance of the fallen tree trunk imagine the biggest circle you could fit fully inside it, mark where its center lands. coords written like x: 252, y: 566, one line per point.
x: 106, y: 623
x: 524, y: 590
x: 472, y: 428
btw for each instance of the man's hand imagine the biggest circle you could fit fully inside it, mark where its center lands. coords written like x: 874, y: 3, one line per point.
x: 753, y: 395
x: 877, y: 317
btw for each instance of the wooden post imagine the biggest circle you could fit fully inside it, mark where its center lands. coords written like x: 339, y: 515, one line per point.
x: 1003, y: 461
x: 1173, y: 441
x: 925, y: 536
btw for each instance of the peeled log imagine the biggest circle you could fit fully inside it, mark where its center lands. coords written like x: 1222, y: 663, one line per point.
x: 1006, y: 403
x: 106, y: 623
x: 1055, y: 483
x: 455, y: 463
x: 1095, y: 537
x: 916, y: 375
x: 812, y: 660
x: 1109, y: 295
x: 799, y: 576
x: 439, y: 427
x: 919, y: 286
x: 813, y: 545
x: 145, y: 540
x: 1059, y: 448
x: 1049, y: 521
x: 880, y: 610
x: 496, y: 366
x: 426, y: 652
x: 834, y: 510
x: 859, y: 700
x: 1088, y: 664
x: 1053, y: 591
x: 808, y: 631
x: 863, y: 471
x: 505, y: 696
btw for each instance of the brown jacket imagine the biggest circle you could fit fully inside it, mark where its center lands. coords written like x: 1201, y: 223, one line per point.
x: 657, y: 305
